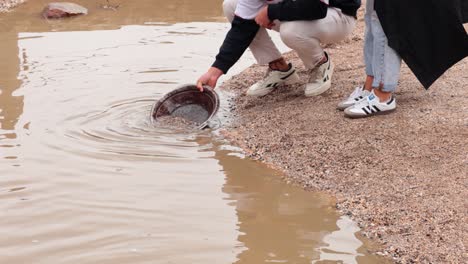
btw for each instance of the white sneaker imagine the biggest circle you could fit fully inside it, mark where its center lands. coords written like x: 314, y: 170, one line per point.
x: 272, y: 80
x: 370, y: 106
x: 357, y: 95
x: 320, y: 78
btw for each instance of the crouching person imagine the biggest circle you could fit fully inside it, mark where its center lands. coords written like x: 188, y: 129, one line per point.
x: 303, y: 26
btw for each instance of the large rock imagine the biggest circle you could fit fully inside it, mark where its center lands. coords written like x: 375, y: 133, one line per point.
x: 59, y: 10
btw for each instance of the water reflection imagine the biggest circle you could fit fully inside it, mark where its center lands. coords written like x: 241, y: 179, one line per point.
x: 11, y: 106
x: 278, y: 223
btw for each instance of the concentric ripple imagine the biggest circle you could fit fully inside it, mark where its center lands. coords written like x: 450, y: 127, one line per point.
x: 125, y: 129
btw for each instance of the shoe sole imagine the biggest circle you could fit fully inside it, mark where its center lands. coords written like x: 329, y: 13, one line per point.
x: 324, y: 87
x: 265, y: 92
x: 342, y: 108
x: 293, y: 79
x: 373, y: 114
x: 319, y: 91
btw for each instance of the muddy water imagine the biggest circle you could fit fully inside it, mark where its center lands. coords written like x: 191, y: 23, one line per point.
x: 85, y: 178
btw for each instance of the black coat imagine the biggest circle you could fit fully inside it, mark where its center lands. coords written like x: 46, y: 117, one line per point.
x: 427, y: 34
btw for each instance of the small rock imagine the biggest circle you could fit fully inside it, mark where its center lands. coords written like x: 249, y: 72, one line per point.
x: 60, y: 10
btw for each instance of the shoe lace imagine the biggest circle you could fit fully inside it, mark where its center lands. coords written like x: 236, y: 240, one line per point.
x: 317, y: 71
x: 356, y: 92
x: 266, y: 76
x: 363, y: 102
x: 313, y: 74
x: 268, y: 72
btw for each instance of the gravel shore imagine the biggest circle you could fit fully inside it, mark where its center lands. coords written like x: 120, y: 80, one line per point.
x: 6, y: 5
x: 402, y: 177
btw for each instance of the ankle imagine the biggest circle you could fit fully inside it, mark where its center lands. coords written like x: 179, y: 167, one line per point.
x: 368, y: 83
x: 279, y: 65
x: 323, y: 60
x: 368, y: 88
x: 383, y: 96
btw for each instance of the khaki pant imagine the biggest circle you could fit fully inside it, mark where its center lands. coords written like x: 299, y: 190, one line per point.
x: 302, y: 36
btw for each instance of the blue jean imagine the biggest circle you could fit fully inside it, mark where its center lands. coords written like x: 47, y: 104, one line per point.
x: 382, y: 62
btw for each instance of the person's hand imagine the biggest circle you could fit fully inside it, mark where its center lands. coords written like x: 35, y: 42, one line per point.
x: 209, y: 78
x: 262, y: 18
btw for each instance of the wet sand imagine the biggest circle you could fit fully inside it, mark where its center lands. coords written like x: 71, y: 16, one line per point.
x: 402, y: 177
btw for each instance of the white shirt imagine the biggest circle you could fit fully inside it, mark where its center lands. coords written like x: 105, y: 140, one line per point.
x: 248, y: 9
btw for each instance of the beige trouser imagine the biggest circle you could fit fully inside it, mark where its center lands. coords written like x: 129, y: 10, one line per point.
x: 302, y: 36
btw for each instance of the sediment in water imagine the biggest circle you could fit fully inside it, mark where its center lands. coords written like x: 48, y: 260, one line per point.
x: 176, y: 123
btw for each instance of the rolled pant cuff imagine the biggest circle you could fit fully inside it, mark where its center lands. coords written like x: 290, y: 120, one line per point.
x: 389, y: 88
x: 267, y: 60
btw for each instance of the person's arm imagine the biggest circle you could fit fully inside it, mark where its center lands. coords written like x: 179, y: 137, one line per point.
x: 242, y: 32
x: 236, y: 42
x: 290, y: 10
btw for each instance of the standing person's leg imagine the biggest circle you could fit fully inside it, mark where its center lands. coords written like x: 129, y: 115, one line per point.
x: 386, y: 65
x: 305, y: 38
x: 369, y: 47
x: 386, y: 62
x: 363, y: 91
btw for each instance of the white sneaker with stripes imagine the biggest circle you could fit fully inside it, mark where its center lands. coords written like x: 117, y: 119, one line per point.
x: 370, y: 106
x: 320, y: 78
x: 357, y: 95
x: 272, y: 80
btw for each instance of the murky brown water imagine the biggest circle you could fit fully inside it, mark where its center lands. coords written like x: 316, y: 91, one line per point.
x: 85, y: 178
